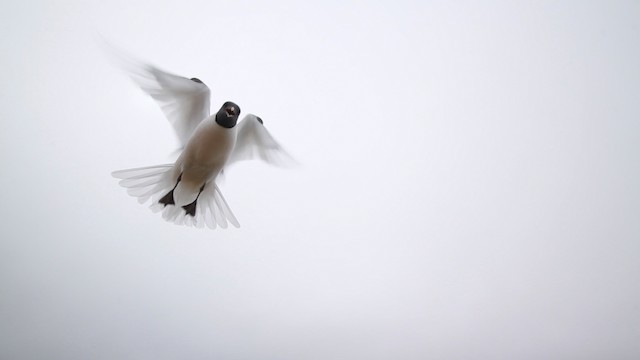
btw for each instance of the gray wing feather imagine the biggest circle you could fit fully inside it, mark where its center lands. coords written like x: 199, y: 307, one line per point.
x: 255, y: 142
x: 183, y: 101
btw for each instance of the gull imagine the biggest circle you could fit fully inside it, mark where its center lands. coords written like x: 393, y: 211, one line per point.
x: 186, y: 192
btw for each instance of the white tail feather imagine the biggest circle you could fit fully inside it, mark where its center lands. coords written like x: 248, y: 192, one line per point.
x: 154, y: 182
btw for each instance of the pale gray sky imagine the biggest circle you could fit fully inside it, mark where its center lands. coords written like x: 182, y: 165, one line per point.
x: 468, y: 188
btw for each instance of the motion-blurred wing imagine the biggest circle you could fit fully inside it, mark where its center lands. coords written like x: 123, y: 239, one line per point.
x: 255, y: 142
x: 183, y: 101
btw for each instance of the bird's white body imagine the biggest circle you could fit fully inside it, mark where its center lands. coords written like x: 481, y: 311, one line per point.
x: 203, y: 158
x: 186, y: 191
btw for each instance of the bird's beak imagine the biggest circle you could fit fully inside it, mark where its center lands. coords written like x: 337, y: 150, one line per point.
x: 231, y: 110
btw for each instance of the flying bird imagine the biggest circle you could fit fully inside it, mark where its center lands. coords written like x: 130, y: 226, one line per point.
x: 186, y: 192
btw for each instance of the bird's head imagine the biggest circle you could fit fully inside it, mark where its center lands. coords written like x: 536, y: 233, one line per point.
x: 228, y: 115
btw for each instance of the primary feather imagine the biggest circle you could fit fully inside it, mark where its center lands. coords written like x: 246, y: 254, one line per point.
x: 185, y: 102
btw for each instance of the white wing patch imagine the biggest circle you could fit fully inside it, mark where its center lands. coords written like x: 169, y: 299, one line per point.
x: 255, y: 142
x: 183, y: 101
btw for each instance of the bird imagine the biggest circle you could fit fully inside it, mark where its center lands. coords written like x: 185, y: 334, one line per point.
x: 186, y: 192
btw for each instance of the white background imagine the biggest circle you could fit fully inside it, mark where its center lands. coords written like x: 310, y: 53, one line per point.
x: 468, y: 186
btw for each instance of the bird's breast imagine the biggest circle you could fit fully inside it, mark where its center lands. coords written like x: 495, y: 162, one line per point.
x: 207, y: 150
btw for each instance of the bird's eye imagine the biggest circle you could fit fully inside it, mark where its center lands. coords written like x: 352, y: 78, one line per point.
x: 230, y: 110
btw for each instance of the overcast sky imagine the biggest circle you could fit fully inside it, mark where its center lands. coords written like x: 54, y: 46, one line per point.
x: 468, y: 188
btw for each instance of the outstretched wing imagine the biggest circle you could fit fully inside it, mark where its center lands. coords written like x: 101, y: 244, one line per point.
x: 255, y: 142
x: 185, y: 102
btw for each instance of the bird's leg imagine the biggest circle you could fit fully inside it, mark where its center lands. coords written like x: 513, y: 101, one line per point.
x: 168, y: 199
x: 191, y: 208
